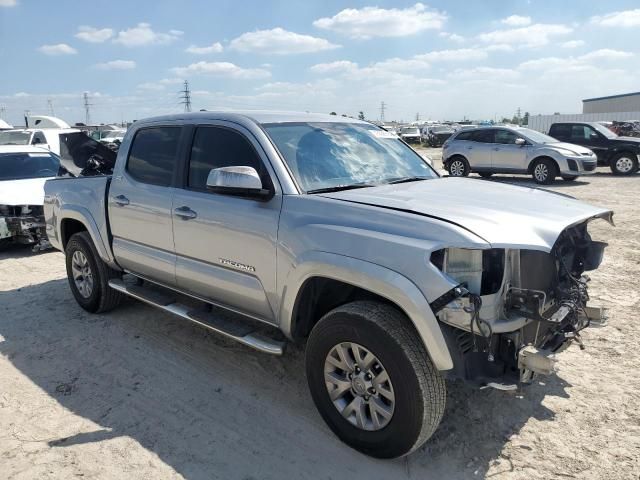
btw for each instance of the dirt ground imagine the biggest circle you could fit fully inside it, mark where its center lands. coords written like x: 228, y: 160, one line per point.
x: 140, y: 394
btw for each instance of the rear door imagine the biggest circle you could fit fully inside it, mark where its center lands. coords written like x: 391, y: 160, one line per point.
x: 139, y: 201
x: 589, y: 137
x: 226, y: 244
x: 506, y: 155
x: 479, y: 150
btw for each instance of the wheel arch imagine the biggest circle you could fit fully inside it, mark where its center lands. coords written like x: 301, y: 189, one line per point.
x: 541, y: 157
x: 359, y: 280
x: 77, y: 219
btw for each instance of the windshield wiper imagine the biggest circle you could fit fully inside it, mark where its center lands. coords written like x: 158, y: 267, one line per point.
x: 406, y: 180
x: 339, y: 188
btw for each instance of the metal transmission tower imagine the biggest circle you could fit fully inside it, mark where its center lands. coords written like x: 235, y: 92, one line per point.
x: 87, y: 113
x: 50, y: 106
x: 186, y: 97
x: 518, y: 116
x: 418, y: 117
x: 3, y: 111
x: 382, y: 108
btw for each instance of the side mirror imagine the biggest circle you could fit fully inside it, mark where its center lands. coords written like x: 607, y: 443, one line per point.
x: 236, y: 181
x: 520, y: 141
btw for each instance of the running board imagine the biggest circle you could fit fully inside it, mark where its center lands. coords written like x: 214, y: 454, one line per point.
x: 235, y: 330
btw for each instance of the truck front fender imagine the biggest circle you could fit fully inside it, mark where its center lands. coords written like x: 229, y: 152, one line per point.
x: 376, y: 279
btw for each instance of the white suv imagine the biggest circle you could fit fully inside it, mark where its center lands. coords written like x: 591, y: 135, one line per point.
x: 490, y: 150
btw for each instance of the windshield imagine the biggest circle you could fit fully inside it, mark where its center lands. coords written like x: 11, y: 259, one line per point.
x: 604, y: 130
x: 17, y: 166
x: 14, y: 138
x: 327, y: 155
x: 536, y: 137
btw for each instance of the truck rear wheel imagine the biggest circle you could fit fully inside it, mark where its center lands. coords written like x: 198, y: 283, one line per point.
x: 372, y: 380
x: 89, y: 276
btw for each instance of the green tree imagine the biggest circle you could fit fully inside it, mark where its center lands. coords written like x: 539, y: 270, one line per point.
x: 525, y: 120
x: 333, y: 113
x: 361, y: 115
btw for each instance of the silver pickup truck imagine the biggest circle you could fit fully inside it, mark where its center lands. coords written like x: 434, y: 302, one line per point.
x: 334, y: 232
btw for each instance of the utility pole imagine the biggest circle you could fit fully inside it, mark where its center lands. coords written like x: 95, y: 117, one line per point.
x: 418, y: 117
x: 518, y: 116
x: 50, y: 105
x: 87, y: 113
x: 382, y: 108
x: 186, y: 97
x: 3, y: 111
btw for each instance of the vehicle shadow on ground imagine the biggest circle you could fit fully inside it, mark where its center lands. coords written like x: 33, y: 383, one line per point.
x: 210, y: 408
x: 19, y: 251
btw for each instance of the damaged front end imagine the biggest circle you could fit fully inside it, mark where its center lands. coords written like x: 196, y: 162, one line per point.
x: 514, y: 309
x: 23, y: 225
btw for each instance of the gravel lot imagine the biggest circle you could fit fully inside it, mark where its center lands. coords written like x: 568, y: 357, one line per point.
x: 139, y: 394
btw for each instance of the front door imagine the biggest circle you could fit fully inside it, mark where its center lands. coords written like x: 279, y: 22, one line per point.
x: 478, y: 151
x: 506, y: 155
x: 139, y: 203
x: 226, y: 244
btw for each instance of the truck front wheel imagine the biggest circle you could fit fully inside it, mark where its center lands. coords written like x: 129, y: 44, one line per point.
x: 372, y: 380
x: 89, y: 276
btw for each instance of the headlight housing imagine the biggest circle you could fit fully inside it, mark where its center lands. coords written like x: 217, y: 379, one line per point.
x: 481, y: 271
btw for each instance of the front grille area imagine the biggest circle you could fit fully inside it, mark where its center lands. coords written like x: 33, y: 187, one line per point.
x: 589, y: 166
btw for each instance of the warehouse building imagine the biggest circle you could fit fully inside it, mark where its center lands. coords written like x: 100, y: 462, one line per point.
x: 627, y: 102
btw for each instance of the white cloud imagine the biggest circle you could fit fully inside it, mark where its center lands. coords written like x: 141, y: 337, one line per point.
x: 142, y: 35
x: 626, y: 18
x: 454, y: 37
x: 117, y: 65
x: 459, y: 55
x: 151, y: 86
x: 58, y: 49
x: 516, y: 21
x: 499, y: 47
x: 221, y: 69
x: 605, y: 54
x: 535, y: 35
x: 280, y: 42
x: 371, y: 22
x: 485, y: 74
x: 572, y: 44
x: 213, y: 48
x: 94, y: 35
x: 8, y: 3
x: 339, y: 66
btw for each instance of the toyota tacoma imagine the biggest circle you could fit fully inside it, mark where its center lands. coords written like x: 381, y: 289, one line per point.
x: 336, y: 233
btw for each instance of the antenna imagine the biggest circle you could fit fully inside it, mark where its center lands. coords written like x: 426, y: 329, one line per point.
x: 382, y: 108
x: 186, y: 97
x: 87, y: 114
x: 50, y: 105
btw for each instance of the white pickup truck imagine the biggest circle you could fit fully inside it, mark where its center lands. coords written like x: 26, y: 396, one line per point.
x: 334, y: 232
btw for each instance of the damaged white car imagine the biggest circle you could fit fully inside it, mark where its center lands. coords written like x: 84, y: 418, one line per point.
x: 23, y: 171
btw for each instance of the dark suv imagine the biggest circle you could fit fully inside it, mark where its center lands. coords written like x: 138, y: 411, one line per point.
x: 621, y: 154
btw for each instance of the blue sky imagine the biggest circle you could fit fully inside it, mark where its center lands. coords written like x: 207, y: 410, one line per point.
x: 441, y: 59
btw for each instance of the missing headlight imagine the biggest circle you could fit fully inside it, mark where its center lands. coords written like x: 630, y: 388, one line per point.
x: 481, y: 271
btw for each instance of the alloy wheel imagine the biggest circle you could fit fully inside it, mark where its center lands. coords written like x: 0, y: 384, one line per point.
x: 82, y: 275
x: 359, y: 386
x: 457, y: 168
x: 541, y: 172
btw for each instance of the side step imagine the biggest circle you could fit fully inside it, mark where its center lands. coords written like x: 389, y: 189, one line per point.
x: 235, y: 330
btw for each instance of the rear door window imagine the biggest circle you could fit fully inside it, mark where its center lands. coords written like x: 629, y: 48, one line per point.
x: 560, y: 131
x: 464, y: 136
x: 580, y: 133
x: 152, y: 156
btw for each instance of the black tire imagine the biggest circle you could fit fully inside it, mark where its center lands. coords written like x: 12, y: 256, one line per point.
x: 569, y: 178
x: 420, y: 392
x: 544, y: 171
x: 458, y: 166
x: 102, y: 298
x: 624, y: 164
x: 485, y: 174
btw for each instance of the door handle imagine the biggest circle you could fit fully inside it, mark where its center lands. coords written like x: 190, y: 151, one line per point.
x: 121, y: 200
x: 185, y: 213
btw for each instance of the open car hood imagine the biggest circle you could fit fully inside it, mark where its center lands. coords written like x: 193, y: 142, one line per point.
x: 505, y: 216
x: 77, y: 147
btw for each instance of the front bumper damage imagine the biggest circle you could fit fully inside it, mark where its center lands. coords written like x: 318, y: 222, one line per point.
x: 23, y: 225
x: 514, y: 310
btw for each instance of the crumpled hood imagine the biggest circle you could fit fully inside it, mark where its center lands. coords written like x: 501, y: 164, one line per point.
x: 506, y: 216
x: 579, y: 149
x: 29, y: 191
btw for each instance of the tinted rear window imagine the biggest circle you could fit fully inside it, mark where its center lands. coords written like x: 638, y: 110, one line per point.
x: 464, y: 135
x: 483, y: 136
x: 153, y: 155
